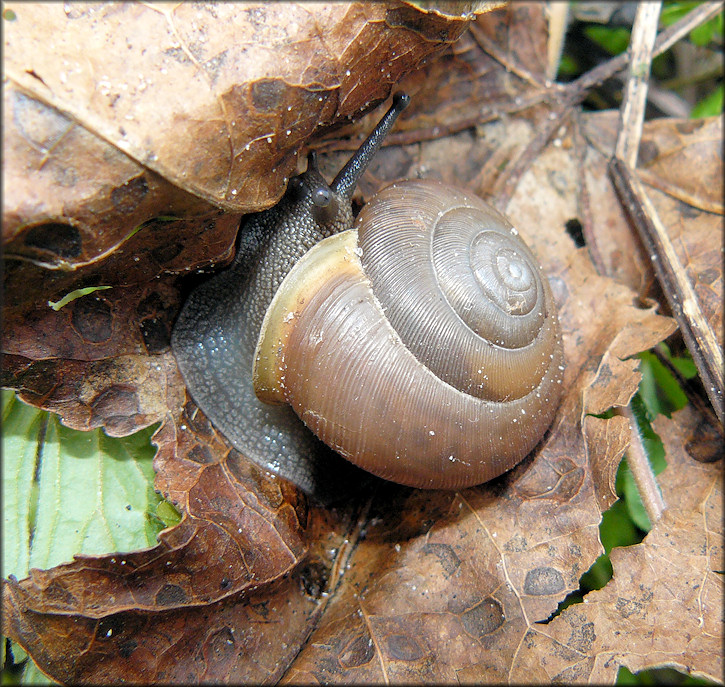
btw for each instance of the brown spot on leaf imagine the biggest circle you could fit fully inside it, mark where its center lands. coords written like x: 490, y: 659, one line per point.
x: 579, y: 672
x: 166, y: 252
x: 267, y: 93
x: 542, y: 581
x: 648, y: 151
x: 58, y: 594
x: 484, y: 618
x: 403, y: 648
x: 200, y: 454
x: 171, y: 595
x: 116, y: 401
x: 629, y: 607
x: 155, y: 322
x: 60, y: 239
x: 222, y: 644
x: 128, y: 196
x: 446, y: 557
x: 125, y: 649
x: 687, y: 126
x: 92, y: 319
x: 358, y: 652
x: 582, y: 636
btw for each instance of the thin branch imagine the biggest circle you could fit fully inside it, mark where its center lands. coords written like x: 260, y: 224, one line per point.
x: 641, y: 470
x: 631, y: 113
x: 681, y: 297
x: 575, y: 92
x: 626, y: 148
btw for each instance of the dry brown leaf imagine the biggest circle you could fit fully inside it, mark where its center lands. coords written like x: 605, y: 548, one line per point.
x: 666, y: 593
x: 689, y: 204
x: 396, y: 584
x: 74, y: 197
x: 203, y: 95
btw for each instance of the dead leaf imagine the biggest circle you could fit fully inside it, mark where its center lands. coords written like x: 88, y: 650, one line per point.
x: 74, y: 199
x: 179, y: 89
x: 666, y: 593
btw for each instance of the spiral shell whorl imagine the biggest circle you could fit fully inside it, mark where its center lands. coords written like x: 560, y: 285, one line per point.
x: 451, y: 275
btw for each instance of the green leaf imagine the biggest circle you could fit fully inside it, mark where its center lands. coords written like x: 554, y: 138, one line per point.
x: 68, y: 492
x: 93, y: 492
x: 710, y: 105
x: 703, y: 35
x: 568, y: 67
x: 674, y: 11
x: 659, y: 676
x: 32, y: 675
x: 659, y: 390
x: 617, y: 529
x: 655, y: 450
x: 613, y: 40
x: 18, y: 471
x: 167, y: 514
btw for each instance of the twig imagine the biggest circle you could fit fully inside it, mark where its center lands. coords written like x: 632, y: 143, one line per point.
x: 681, y: 297
x: 631, y: 113
x: 626, y: 149
x: 642, y: 471
x: 575, y: 92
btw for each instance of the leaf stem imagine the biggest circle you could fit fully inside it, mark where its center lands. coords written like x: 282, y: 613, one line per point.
x: 641, y: 469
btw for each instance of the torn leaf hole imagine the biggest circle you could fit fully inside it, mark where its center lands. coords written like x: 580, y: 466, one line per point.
x: 576, y: 231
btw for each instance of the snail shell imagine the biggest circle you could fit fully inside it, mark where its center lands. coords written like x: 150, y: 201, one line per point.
x: 423, y: 345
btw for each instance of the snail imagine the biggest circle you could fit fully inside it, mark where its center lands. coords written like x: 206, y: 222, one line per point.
x: 321, y: 323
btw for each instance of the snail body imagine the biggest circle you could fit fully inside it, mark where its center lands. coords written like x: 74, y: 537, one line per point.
x: 422, y: 345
